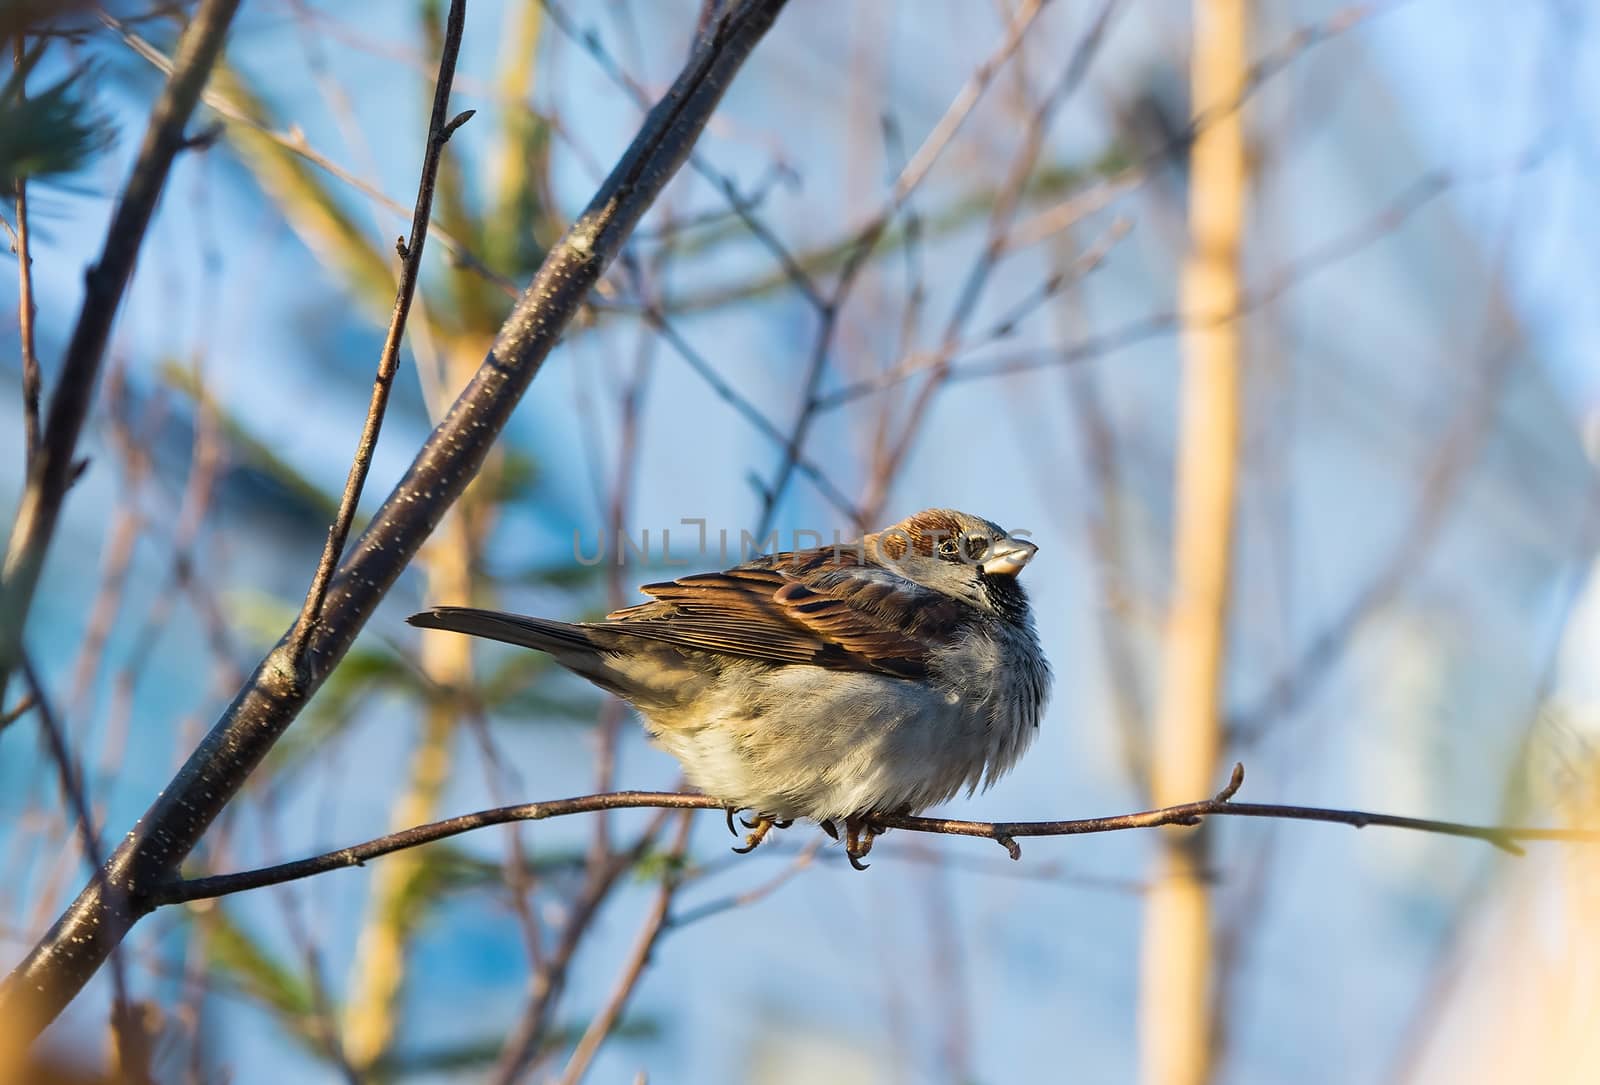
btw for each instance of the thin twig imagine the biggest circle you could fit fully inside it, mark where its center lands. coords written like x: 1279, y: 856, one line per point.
x: 631, y: 408
x: 751, y: 413
x: 1414, y: 197
x: 754, y: 895
x: 723, y: 184
x: 1504, y: 837
x: 218, y: 885
x: 524, y: 1040
x: 892, y: 451
x: 1099, y: 504
x: 52, y: 471
x: 655, y: 922
x: 132, y: 439
x: 294, y: 141
x: 70, y: 776
x: 440, y: 129
x: 25, y: 304
x: 862, y: 246
x: 16, y: 711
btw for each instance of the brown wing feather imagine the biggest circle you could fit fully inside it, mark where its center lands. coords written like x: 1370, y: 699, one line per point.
x: 803, y: 607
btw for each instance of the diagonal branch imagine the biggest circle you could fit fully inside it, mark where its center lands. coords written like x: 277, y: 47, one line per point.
x: 281, y: 684
x: 50, y: 472
x: 1505, y: 837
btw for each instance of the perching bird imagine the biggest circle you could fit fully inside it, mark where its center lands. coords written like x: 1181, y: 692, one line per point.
x: 878, y: 676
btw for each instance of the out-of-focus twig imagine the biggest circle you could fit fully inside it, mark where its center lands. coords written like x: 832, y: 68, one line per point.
x: 725, y: 186
x: 1100, y: 508
x: 532, y: 1028
x: 124, y: 1021
x: 25, y: 303
x: 51, y: 472
x: 295, y: 143
x: 893, y: 447
x: 803, y: 465
x: 856, y: 259
x: 649, y: 932
x: 16, y: 711
x: 745, y: 898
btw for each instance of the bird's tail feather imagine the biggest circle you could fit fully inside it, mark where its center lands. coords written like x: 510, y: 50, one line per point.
x: 557, y: 638
x: 580, y: 649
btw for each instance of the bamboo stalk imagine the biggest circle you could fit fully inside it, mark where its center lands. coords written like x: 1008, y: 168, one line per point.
x: 1176, y: 1014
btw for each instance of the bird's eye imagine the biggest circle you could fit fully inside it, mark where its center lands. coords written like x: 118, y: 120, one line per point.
x: 949, y: 550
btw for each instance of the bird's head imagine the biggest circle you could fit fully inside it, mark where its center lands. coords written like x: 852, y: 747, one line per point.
x: 957, y: 554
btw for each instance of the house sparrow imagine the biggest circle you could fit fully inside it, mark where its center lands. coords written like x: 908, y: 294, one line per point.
x: 878, y: 676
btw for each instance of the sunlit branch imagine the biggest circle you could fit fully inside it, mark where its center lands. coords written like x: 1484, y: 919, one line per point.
x: 1006, y: 833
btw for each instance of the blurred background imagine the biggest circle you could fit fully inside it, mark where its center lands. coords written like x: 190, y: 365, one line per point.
x: 1401, y: 195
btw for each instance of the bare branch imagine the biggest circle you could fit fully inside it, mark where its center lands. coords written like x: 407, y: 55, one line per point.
x: 1505, y: 837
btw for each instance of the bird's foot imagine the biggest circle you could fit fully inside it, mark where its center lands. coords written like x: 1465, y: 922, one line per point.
x: 759, y: 828
x: 860, y: 831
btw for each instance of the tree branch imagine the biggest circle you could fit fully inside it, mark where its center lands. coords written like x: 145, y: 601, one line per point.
x: 1005, y: 833
x: 50, y: 472
x: 440, y: 130
x: 281, y: 684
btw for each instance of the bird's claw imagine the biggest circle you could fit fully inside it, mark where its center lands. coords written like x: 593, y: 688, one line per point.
x: 758, y: 832
x: 730, y: 811
x: 859, y: 835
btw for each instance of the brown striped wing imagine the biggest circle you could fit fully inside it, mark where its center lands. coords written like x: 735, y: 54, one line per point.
x: 797, y: 608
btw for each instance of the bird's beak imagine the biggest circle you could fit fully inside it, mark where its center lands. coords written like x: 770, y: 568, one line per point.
x: 1007, y: 557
